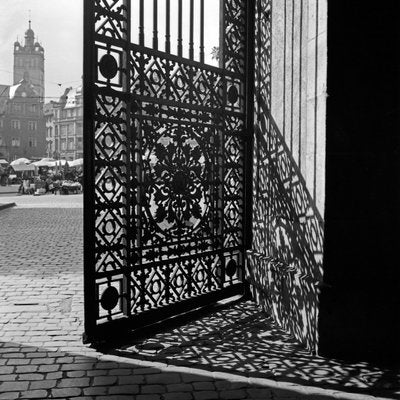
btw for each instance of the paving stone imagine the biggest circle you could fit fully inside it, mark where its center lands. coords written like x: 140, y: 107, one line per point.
x: 13, y: 386
x: 6, y: 370
x: 67, y: 392
x: 260, y: 393
x: 9, y: 395
x: 232, y: 394
x: 95, y: 372
x: 26, y: 368
x: 18, y: 361
x: 146, y: 371
x: 11, y: 377
x: 180, y: 387
x: 54, y: 375
x: 74, y: 382
x: 131, y: 380
x: 124, y: 389
x: 196, y: 378
x: 41, y: 361
x: 178, y: 396
x: 148, y: 397
x: 120, y: 372
x: 95, y: 391
x: 34, y: 394
x: 46, y: 384
x: 206, y: 395
x: 203, y: 386
x: 76, y: 374
x: 153, y: 389
x: 77, y: 367
x: 166, y: 378
x: 30, y: 377
x: 104, y: 380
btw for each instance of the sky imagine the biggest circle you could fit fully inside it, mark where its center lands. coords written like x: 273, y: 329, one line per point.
x: 58, y: 25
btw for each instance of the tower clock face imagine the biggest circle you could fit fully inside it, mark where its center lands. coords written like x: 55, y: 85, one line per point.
x: 23, y: 94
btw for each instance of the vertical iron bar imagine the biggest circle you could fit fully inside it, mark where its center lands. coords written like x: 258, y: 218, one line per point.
x: 180, y: 28
x: 141, y: 23
x: 292, y: 81
x: 249, y: 136
x: 89, y: 73
x: 167, y: 27
x: 191, y: 44
x: 300, y: 79
x: 129, y: 226
x: 222, y: 34
x: 202, y: 31
x: 155, y: 23
x: 284, y: 71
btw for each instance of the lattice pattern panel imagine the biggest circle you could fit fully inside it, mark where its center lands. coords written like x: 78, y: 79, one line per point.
x: 168, y: 168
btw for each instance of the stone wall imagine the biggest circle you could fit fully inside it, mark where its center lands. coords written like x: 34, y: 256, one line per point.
x: 298, y: 85
x: 285, y: 264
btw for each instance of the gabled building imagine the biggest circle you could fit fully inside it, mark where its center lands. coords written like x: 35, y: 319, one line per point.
x: 64, y: 125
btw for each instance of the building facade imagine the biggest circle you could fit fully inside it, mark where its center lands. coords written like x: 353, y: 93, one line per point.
x: 64, y: 125
x: 22, y: 123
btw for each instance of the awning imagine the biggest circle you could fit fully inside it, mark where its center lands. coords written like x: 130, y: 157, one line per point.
x: 24, y: 167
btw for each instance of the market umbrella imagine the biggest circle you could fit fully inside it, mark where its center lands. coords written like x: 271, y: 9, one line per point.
x: 45, y: 162
x: 20, y: 161
x: 24, y: 167
x: 3, y: 161
x: 76, y: 163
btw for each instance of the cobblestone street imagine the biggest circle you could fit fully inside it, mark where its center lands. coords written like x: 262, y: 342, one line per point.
x: 229, y: 355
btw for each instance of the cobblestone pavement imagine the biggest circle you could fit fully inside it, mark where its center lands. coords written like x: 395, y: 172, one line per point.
x: 42, y: 355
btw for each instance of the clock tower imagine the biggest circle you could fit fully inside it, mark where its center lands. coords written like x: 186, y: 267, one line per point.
x: 29, y: 62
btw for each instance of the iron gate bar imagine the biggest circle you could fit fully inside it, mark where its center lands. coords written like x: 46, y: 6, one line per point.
x: 161, y: 124
x: 89, y: 70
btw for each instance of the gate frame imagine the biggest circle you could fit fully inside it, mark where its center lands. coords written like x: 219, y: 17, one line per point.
x: 92, y: 332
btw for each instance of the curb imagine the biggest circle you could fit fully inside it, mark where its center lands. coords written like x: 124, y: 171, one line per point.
x: 7, y: 205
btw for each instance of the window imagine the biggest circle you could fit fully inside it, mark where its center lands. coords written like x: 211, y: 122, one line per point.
x: 33, y: 108
x: 70, y: 144
x: 1, y: 123
x: 32, y: 142
x: 63, y: 144
x: 15, y: 142
x: 1, y: 141
x: 15, y: 124
x: 17, y: 107
x: 32, y: 125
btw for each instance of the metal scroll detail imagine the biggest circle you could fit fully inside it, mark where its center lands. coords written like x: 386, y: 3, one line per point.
x: 167, y: 161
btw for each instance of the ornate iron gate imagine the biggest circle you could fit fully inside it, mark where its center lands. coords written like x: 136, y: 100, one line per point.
x: 165, y: 144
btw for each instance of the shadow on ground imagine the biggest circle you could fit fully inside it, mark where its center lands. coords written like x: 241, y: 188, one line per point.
x: 35, y: 372
x: 244, y: 340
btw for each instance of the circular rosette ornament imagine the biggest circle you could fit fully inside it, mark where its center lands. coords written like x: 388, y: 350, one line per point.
x: 177, y: 183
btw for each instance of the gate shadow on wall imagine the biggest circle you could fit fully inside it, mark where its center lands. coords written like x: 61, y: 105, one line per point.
x: 285, y: 262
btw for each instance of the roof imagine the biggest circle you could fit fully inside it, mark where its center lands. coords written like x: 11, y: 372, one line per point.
x: 22, y: 86
x: 71, y: 97
x: 4, y: 95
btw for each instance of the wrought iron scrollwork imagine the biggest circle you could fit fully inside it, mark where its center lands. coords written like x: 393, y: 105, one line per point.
x: 168, y: 148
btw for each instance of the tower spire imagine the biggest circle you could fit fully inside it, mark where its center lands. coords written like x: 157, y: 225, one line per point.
x: 30, y: 19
